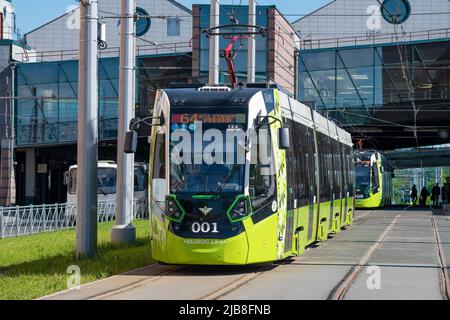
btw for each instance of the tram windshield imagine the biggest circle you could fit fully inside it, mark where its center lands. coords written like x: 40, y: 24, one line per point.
x: 362, y: 177
x: 206, y: 153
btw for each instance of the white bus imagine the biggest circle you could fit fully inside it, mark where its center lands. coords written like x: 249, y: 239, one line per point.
x: 106, y: 182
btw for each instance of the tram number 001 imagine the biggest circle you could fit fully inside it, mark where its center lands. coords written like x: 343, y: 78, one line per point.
x: 204, y: 227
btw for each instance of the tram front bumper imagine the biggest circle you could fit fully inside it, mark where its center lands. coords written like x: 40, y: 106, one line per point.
x: 232, y: 251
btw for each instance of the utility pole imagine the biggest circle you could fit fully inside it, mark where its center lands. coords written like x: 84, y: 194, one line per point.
x: 12, y: 198
x: 214, y: 62
x: 124, y: 231
x: 251, y: 43
x: 87, y: 202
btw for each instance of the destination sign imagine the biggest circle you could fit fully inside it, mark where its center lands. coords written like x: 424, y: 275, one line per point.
x: 186, y: 118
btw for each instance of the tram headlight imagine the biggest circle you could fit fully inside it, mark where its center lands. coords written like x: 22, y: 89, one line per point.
x: 240, y: 209
x: 174, y: 211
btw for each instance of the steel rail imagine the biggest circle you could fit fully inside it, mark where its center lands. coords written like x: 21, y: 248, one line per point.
x: 339, y: 292
x: 443, y: 275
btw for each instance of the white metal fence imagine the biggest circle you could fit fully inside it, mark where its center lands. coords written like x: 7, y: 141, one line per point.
x: 26, y: 220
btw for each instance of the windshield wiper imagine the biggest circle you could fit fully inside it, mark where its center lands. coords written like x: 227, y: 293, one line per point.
x: 179, y: 186
x: 102, y: 191
x: 227, y: 179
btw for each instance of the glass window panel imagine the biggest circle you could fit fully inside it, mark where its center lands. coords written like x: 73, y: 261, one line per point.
x: 68, y: 71
x: 108, y: 88
x: 173, y: 27
x: 38, y: 73
x: 51, y: 112
x: 108, y: 69
x: 68, y: 90
x: 241, y: 14
x: 347, y: 95
x: 319, y: 60
x: 357, y: 57
x: 68, y: 110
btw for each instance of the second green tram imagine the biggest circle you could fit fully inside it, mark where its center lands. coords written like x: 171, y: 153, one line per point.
x: 373, y: 180
x: 244, y: 176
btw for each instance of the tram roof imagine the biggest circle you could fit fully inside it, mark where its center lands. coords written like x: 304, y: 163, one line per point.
x: 194, y: 97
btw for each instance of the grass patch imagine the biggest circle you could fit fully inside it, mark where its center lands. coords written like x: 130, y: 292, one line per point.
x: 34, y: 266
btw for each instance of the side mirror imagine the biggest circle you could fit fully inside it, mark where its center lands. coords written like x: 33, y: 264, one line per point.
x: 284, y: 138
x: 131, y: 138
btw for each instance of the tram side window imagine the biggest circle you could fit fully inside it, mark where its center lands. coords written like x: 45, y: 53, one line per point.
x: 262, y: 171
x: 344, y: 167
x: 330, y: 168
x: 159, y: 162
x: 301, y: 133
x: 375, y: 179
x: 324, y: 164
x: 311, y: 165
x: 292, y: 168
x: 351, y: 171
x: 337, y: 168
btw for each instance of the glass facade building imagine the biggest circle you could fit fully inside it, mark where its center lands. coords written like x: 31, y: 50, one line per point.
x: 47, y: 108
x: 50, y: 115
x: 241, y: 47
x: 378, y: 85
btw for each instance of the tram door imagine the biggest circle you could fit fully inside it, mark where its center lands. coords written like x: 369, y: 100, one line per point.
x: 345, y: 189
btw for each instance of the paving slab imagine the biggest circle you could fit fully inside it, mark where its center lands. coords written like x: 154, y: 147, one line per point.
x: 407, y: 259
x: 407, y: 254
x: 446, y: 249
x: 192, y: 284
x: 292, y: 282
x: 397, y: 283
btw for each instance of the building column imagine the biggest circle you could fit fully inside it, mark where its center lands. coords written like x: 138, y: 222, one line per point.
x: 7, y: 180
x: 30, y: 176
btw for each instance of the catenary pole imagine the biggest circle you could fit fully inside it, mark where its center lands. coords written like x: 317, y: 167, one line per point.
x: 214, y: 62
x: 251, y: 42
x: 87, y: 131
x: 124, y: 231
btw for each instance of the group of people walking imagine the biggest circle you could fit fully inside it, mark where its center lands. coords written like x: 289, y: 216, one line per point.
x: 436, y: 193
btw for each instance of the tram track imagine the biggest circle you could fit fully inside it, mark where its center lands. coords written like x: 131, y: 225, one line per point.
x: 214, y: 295
x: 132, y: 286
x: 184, y: 271
x: 443, y: 274
x: 158, y: 276
x: 234, y: 285
x: 339, y: 292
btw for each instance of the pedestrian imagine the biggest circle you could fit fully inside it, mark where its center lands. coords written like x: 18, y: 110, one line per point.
x: 413, y: 195
x: 435, y: 193
x: 424, y: 194
x: 444, y: 193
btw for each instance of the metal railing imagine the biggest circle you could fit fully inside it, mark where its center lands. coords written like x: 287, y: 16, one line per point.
x: 141, y: 50
x: 308, y: 44
x: 26, y: 220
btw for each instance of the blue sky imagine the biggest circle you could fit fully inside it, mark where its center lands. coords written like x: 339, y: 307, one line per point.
x: 32, y: 14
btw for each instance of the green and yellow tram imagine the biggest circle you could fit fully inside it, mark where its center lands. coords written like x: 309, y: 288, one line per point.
x: 244, y: 176
x: 373, y: 180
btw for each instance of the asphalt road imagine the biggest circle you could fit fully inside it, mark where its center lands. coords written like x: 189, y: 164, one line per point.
x: 386, y: 254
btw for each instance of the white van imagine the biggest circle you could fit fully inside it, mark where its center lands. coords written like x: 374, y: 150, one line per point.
x: 107, y: 178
